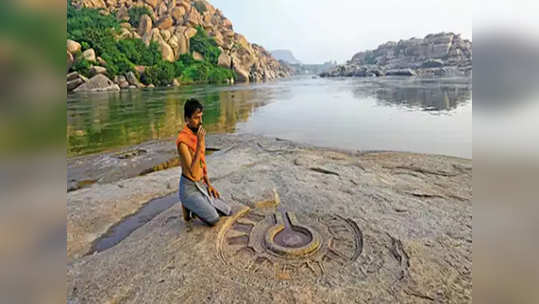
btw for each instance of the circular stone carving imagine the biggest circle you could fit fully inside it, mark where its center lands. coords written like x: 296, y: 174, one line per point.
x: 290, y: 238
x: 284, y: 245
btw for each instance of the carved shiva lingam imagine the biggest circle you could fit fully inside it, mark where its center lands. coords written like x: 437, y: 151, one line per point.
x: 267, y: 239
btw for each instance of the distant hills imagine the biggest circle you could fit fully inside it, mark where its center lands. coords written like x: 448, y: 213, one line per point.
x: 286, y: 56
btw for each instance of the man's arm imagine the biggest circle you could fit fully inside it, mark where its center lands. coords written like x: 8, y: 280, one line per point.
x: 211, y: 190
x: 207, y: 180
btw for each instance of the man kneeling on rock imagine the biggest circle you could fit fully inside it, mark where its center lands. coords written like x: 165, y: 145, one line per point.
x: 195, y: 199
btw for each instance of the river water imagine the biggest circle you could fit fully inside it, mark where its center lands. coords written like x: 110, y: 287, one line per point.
x: 389, y: 113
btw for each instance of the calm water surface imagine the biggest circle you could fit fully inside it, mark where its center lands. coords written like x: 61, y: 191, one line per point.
x: 403, y: 114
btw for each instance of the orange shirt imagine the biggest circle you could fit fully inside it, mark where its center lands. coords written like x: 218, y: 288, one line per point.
x: 190, y: 139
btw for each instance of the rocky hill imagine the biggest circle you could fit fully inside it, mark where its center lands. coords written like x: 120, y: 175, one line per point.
x: 286, y: 56
x: 442, y: 54
x: 299, y: 69
x: 193, y: 36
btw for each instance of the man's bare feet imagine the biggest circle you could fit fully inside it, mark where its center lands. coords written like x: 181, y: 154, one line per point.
x: 187, y: 216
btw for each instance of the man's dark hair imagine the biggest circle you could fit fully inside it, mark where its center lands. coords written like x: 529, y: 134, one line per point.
x: 191, y: 106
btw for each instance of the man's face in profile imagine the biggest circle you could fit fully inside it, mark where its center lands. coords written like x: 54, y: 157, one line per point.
x: 195, y: 121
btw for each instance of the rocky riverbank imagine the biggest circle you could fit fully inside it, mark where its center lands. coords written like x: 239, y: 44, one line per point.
x: 407, y: 221
x: 441, y: 54
x: 171, y: 25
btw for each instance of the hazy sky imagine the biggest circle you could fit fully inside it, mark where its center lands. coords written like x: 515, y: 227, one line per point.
x: 317, y: 31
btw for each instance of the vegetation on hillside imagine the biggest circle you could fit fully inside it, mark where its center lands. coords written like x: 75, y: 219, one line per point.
x: 97, y: 31
x: 135, y: 13
x: 205, y: 45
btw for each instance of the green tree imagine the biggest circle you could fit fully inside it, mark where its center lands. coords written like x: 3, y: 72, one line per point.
x: 160, y: 74
x: 205, y: 45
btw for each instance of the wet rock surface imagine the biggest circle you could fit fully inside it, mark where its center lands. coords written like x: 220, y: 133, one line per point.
x: 392, y: 227
x: 127, y: 162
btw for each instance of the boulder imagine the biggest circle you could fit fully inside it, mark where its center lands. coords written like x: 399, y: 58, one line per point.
x: 73, y: 84
x: 433, y: 63
x: 215, y: 20
x: 224, y: 60
x: 140, y: 69
x: 165, y: 34
x: 70, y: 60
x: 227, y: 24
x: 72, y: 75
x: 242, y: 41
x: 147, y: 38
x: 162, y: 10
x: 206, y: 19
x: 124, y: 34
x: 94, y: 70
x: 228, y: 33
x: 198, y: 56
x: 98, y: 83
x: 190, y: 32
x: 131, y: 78
x: 152, y: 3
x: 183, y: 44
x: 194, y: 18
x: 151, y: 85
x: 164, y: 23
x: 186, y: 5
x: 171, y: 4
x: 210, y: 8
x: 241, y: 73
x: 101, y: 61
x: 175, y: 82
x: 177, y: 14
x: 122, y: 82
x: 93, y: 3
x: 156, y: 35
x: 145, y: 25
x: 122, y: 14
x: 166, y: 52
x: 180, y: 29
x: 73, y: 47
x: 89, y: 55
x: 202, y: 6
x: 218, y: 38
x: 173, y: 42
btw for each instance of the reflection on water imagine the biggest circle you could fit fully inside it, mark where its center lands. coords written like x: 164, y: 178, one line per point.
x: 99, y: 122
x: 419, y: 94
x: 367, y: 114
